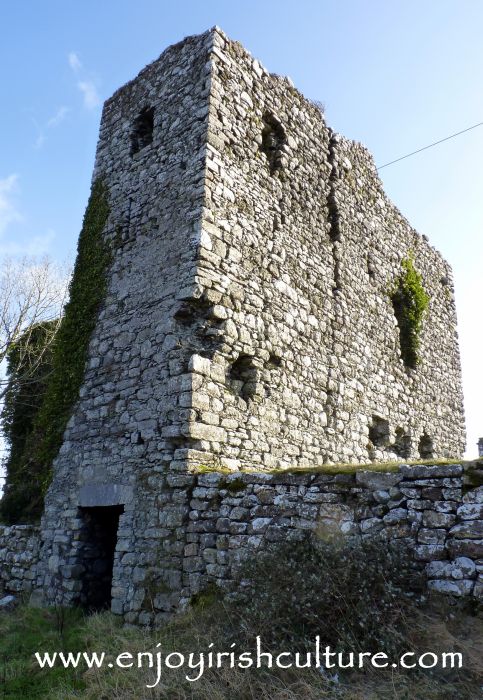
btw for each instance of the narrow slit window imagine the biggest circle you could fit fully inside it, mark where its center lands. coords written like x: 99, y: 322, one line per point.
x: 142, y: 133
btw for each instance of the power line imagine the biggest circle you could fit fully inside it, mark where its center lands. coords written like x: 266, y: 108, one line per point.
x: 447, y: 138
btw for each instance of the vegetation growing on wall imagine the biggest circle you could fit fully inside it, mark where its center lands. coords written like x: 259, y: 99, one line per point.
x: 31, y: 356
x: 86, y: 294
x: 410, y: 302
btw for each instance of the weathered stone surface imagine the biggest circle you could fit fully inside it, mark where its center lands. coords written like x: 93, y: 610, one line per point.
x: 7, y: 602
x: 460, y: 568
x: 247, y: 325
x: 429, y: 472
x: 377, y: 481
x: 458, y: 588
x: 469, y: 548
x: 472, y: 529
x: 470, y: 511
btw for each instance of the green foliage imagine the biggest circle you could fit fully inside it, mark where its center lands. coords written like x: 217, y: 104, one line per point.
x: 27, y: 631
x: 29, y: 365
x: 350, y: 594
x: 86, y: 294
x: 202, y: 628
x: 410, y: 301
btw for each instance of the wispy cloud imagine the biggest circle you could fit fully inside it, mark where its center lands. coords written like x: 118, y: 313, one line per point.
x: 85, y: 84
x: 8, y: 210
x: 51, y: 123
x: 58, y: 117
x: 74, y: 62
x: 89, y: 92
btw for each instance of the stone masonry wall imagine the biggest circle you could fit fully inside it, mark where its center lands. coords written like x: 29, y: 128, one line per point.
x: 245, y: 324
x: 19, y: 555
x: 126, y: 432
x: 233, y: 516
x: 299, y: 260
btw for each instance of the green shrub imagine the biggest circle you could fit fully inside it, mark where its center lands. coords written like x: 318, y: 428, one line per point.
x: 350, y: 594
x: 410, y: 301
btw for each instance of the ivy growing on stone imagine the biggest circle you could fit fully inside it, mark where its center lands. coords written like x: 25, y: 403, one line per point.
x: 32, y: 356
x: 410, y: 301
x: 86, y: 294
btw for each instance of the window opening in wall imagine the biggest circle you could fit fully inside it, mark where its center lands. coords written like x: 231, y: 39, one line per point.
x: 273, y: 139
x: 371, y: 267
x: 142, y: 133
x: 402, y: 444
x: 379, y: 432
x: 426, y: 448
x: 99, y: 539
x: 243, y: 377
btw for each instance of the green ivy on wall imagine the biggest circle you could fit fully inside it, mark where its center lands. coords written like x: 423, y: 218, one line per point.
x: 86, y: 294
x: 29, y: 364
x: 410, y: 301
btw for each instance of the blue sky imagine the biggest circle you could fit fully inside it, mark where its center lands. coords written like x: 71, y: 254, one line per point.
x: 394, y: 75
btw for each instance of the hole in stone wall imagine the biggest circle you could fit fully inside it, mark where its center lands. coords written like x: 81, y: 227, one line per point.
x: 99, y: 535
x: 142, y: 133
x: 242, y: 377
x: 402, y: 444
x: 273, y: 139
x: 425, y: 447
x: 379, y: 432
x: 371, y: 267
x: 274, y: 361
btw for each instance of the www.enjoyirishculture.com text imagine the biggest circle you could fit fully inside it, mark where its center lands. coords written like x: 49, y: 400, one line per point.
x: 195, y: 664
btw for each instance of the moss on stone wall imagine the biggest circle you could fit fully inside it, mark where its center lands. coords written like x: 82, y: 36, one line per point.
x: 410, y: 302
x: 86, y: 295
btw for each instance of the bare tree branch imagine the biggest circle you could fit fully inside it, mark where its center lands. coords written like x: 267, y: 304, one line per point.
x: 32, y: 291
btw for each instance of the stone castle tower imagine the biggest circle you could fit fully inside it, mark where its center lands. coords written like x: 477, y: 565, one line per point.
x: 248, y: 322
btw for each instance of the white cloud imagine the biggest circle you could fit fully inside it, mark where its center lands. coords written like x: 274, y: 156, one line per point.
x: 74, y: 62
x: 89, y: 91
x: 58, y: 117
x: 86, y: 85
x: 8, y: 211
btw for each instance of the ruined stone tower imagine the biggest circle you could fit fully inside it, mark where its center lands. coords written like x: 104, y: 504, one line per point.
x: 248, y: 322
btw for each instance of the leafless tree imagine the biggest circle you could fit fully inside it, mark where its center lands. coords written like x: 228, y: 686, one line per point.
x: 32, y: 291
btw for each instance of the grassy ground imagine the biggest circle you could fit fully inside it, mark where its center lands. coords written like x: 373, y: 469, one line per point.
x: 22, y: 632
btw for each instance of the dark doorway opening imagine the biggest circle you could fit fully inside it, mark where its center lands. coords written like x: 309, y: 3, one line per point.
x: 99, y: 537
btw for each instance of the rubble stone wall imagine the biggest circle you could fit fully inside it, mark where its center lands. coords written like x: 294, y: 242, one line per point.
x: 426, y: 506
x: 19, y: 555
x: 300, y: 255
x: 232, y: 516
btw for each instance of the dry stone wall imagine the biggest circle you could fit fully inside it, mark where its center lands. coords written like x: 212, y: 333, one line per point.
x: 19, y: 555
x: 231, y: 517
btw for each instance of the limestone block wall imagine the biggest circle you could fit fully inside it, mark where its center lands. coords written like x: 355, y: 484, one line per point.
x: 301, y: 248
x: 19, y: 555
x: 129, y: 425
x: 233, y: 516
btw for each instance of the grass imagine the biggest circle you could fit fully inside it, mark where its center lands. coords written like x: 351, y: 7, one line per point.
x: 25, y: 630
x: 339, y: 468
